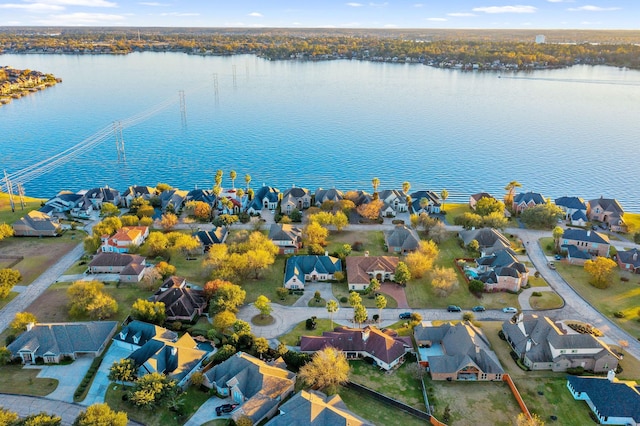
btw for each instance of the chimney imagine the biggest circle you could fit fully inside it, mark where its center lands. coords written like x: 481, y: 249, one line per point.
x: 326, y: 253
x: 635, y: 256
x: 589, y: 233
x: 366, y: 253
x: 527, y: 347
x: 611, y: 375
x: 30, y: 326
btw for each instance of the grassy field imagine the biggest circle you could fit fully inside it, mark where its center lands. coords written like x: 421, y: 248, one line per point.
x: 619, y: 297
x: 372, y: 241
x: 7, y: 216
x: 292, y: 338
x: 157, y: 416
x: 548, y: 300
x: 397, y: 384
x: 15, y: 379
x: 340, y: 290
x: 51, y: 306
x: 420, y: 294
x: 454, y: 210
x: 39, y: 253
x: 376, y: 412
x: 537, y: 281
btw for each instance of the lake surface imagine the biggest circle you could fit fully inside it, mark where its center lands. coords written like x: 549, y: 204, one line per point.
x: 331, y: 124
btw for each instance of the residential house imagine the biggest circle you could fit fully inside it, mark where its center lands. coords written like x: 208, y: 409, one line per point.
x: 99, y: 196
x: 385, y: 346
x: 574, y: 208
x: 609, y: 211
x: 590, y: 243
x: 301, y: 269
x: 287, y: 237
x: 123, y: 239
x: 456, y: 352
x: 502, y: 271
x: 203, y: 195
x: 130, y: 267
x: 543, y: 344
x: 158, y: 350
x: 133, y: 192
x: 314, y: 408
x: 322, y: 195
x: 36, y: 224
x: 394, y: 202
x: 233, y: 203
x: 172, y: 199
x: 266, y: 197
x: 489, y: 240
x: 182, y: 303
x: 295, y: 198
x: 254, y: 384
x: 430, y: 205
x: 54, y: 341
x: 525, y: 200
x: 575, y: 256
x: 629, y: 260
x: 64, y: 202
x: 362, y: 269
x: 401, y: 239
x: 217, y: 235
x: 360, y: 197
x: 473, y: 199
x: 614, y: 402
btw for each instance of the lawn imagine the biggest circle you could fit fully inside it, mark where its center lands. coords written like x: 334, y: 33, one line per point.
x: 292, y: 338
x: 51, y: 306
x: 372, y: 241
x: 534, y: 281
x: 633, y: 222
x: 79, y: 267
x: 157, y: 416
x: 7, y: 216
x: 39, y: 253
x: 3, y: 302
x: 15, y: 379
x: 397, y: 384
x: 270, y: 280
x: 454, y: 210
x: 375, y: 411
x: 619, y: 297
x: 420, y: 294
x: 341, y: 290
x: 548, y: 300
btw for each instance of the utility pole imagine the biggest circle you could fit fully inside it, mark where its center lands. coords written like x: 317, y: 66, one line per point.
x: 117, y: 131
x: 21, y: 193
x: 10, y: 191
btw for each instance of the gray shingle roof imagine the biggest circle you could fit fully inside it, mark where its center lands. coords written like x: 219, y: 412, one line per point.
x: 631, y: 257
x: 571, y: 203
x: 607, y: 204
x: 489, y: 239
x: 585, y: 235
x: 402, y: 236
x: 301, y: 265
x: 527, y: 197
x: 285, y: 232
x: 611, y: 399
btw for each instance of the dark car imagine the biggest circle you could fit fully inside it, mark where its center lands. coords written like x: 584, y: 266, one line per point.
x: 557, y: 257
x: 478, y: 308
x: 225, y: 408
x: 405, y: 315
x: 454, y: 308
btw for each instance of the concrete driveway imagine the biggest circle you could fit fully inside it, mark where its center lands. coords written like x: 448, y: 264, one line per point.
x: 101, y: 381
x: 310, y: 289
x: 68, y: 377
x: 207, y: 411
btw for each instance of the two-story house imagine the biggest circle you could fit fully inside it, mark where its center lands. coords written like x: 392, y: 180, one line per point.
x: 574, y: 208
x: 123, y: 239
x: 425, y: 202
x: 609, y: 211
x: 502, y: 271
x: 581, y: 244
x: 287, y: 237
x: 525, y: 200
x: 266, y: 197
x: 394, y: 202
x: 295, y: 198
x: 322, y: 195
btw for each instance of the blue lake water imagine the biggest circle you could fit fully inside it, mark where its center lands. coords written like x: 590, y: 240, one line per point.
x: 331, y: 124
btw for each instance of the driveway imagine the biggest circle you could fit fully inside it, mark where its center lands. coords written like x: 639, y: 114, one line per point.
x: 310, y: 289
x: 207, y: 411
x: 101, y: 381
x: 68, y: 377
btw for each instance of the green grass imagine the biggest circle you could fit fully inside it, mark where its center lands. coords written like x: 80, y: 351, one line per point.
x: 4, y: 302
x: 157, y: 416
x: 292, y: 338
x: 420, y: 294
x: 7, y: 216
x: 192, y: 270
x: 373, y: 241
x: 548, y: 300
x: 398, y: 383
x: 340, y: 290
x: 321, y: 303
x: 15, y: 379
x: 267, y: 284
x: 534, y: 281
x: 545, y: 243
x: 221, y: 422
x: 375, y: 411
x: 619, y: 297
x: 78, y: 267
x: 455, y: 210
x: 633, y: 222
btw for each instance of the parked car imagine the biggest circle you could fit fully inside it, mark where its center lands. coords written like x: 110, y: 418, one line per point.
x: 557, y: 257
x: 454, y: 308
x: 510, y: 310
x: 405, y: 315
x: 551, y: 265
x: 225, y: 408
x: 478, y: 308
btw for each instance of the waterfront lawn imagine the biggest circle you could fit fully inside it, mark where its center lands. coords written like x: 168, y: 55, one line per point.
x: 619, y: 297
x: 372, y: 241
x: 292, y: 338
x: 3, y: 302
x: 455, y: 210
x: 397, y: 384
x: 548, y: 300
x: 420, y: 293
x: 52, y: 305
x: 39, y: 253
x: 376, y: 411
x: 7, y: 216
x: 156, y: 416
x: 633, y: 222
x: 341, y: 290
x: 17, y: 380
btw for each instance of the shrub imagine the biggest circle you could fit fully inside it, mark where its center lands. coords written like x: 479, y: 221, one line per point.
x: 618, y: 314
x: 343, y: 299
x: 357, y: 246
x: 10, y: 339
x: 575, y: 371
x: 311, y: 323
x: 624, y: 279
x: 536, y: 294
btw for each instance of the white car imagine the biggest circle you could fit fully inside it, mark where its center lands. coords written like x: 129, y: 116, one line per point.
x: 509, y: 310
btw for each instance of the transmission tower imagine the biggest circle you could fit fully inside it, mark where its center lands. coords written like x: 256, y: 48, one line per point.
x: 21, y: 193
x: 117, y: 131
x: 183, y: 108
x: 7, y: 182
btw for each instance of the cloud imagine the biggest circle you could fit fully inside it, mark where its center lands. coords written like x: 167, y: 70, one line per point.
x: 352, y: 4
x: 82, y: 19
x: 179, y: 14
x: 255, y: 14
x: 385, y: 4
x: 458, y: 14
x: 589, y: 8
x: 33, y: 7
x: 437, y: 19
x: 152, y: 3
x: 506, y: 9
x: 418, y: 5
x: 84, y: 3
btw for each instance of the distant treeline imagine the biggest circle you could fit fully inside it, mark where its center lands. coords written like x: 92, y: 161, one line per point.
x: 480, y: 49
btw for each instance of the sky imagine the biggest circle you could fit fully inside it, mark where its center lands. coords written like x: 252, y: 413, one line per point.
x: 519, y: 14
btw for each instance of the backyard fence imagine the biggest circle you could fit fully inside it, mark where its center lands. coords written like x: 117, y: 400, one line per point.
x: 393, y: 402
